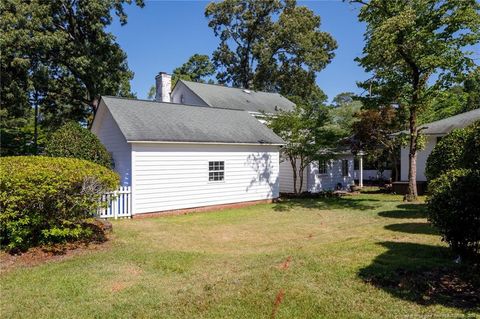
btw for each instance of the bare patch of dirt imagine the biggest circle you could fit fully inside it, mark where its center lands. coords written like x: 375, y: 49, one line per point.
x: 286, y: 263
x: 127, y: 278
x: 277, y: 302
x: 40, y: 255
x: 118, y: 286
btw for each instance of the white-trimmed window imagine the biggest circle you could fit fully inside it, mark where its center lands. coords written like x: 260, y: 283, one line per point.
x: 322, y: 167
x: 216, y: 171
x: 344, y: 168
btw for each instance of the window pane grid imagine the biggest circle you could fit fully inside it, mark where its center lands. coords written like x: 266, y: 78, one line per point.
x: 216, y: 170
x: 322, y: 167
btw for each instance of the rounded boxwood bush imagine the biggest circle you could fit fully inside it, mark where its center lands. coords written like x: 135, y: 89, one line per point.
x: 45, y: 199
x: 454, y: 209
x: 458, y: 149
x: 73, y: 140
x: 447, y: 154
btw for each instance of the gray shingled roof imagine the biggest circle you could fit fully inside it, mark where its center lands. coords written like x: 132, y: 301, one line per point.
x: 446, y: 125
x: 141, y: 120
x: 235, y: 98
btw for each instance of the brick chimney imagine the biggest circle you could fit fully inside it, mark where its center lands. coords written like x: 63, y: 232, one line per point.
x: 163, y: 84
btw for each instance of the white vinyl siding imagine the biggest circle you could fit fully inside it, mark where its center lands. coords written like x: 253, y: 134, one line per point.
x: 286, y: 177
x: 318, y: 182
x: 110, y: 135
x: 176, y: 176
x: 183, y: 95
x: 422, y: 156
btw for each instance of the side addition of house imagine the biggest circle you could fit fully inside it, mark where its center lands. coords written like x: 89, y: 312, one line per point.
x: 177, y: 156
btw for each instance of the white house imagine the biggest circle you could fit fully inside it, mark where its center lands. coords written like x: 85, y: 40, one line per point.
x: 434, y: 132
x: 178, y: 156
x: 330, y: 175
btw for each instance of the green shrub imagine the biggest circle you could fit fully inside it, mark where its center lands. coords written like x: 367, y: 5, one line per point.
x: 45, y: 199
x: 471, y: 156
x: 72, y: 140
x: 458, y: 149
x: 447, y: 154
x: 454, y: 209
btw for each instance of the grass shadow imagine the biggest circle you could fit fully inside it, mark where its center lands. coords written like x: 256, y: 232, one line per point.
x: 351, y: 203
x: 406, y: 211
x: 413, y: 228
x: 424, y: 274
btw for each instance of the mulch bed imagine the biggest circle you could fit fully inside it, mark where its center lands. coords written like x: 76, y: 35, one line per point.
x: 40, y: 255
x: 101, y: 230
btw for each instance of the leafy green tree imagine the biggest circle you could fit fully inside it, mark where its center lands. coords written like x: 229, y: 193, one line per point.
x: 344, y: 112
x: 471, y: 86
x: 445, y: 103
x: 413, y: 48
x: 197, y: 69
x: 269, y: 45
x: 58, y: 59
x: 308, y: 136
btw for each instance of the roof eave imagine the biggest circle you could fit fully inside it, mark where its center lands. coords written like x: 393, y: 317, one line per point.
x: 204, y: 143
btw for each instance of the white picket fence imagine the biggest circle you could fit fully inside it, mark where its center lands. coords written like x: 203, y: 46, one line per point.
x: 119, y: 203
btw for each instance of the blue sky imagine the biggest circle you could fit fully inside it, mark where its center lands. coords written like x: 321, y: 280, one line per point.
x: 164, y: 34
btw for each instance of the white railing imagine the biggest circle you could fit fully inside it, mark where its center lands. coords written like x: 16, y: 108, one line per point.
x: 118, y: 203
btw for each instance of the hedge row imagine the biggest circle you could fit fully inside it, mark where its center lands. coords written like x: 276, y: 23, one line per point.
x: 45, y: 199
x: 453, y: 170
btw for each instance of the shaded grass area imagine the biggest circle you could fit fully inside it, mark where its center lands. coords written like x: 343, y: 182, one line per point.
x: 366, y: 256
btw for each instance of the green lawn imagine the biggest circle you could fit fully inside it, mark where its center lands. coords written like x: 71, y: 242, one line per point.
x: 366, y: 256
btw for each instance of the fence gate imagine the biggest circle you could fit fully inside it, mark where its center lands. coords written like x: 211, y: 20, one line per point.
x: 118, y: 203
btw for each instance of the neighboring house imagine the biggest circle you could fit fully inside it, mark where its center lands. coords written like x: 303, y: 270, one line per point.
x: 178, y: 156
x: 433, y: 132
x: 257, y: 104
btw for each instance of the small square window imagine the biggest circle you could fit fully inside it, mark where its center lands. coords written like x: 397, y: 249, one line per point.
x: 216, y: 171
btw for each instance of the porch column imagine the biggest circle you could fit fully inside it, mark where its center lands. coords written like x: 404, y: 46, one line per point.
x: 360, y: 168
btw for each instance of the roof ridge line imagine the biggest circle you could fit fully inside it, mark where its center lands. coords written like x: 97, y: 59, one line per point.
x: 231, y: 87
x: 172, y: 103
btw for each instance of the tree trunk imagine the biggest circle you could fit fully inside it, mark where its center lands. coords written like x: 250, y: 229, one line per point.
x: 414, y: 104
x: 395, y: 170
x: 301, y: 178
x: 293, y: 162
x: 412, y: 158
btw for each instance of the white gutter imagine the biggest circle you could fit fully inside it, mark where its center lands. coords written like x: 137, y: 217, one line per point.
x: 206, y: 143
